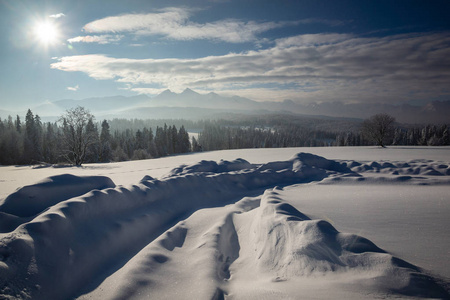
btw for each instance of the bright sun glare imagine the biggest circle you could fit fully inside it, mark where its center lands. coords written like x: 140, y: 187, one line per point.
x: 46, y: 32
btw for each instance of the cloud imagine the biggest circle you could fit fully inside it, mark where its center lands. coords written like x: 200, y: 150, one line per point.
x: 100, y: 39
x: 73, y: 88
x: 57, y: 16
x: 308, y: 40
x: 320, y: 67
x: 174, y: 23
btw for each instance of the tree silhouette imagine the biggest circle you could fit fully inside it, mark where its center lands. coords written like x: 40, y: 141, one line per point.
x: 105, y: 143
x: 379, y: 129
x: 76, y: 137
x: 32, y: 141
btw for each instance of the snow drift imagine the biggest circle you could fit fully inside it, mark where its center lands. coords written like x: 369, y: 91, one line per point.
x: 31, y: 200
x: 290, y: 244
x: 63, y: 237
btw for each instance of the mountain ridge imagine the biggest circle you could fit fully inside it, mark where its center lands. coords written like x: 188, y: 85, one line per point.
x: 193, y: 105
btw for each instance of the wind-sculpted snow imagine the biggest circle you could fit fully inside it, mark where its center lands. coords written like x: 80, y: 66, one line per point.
x: 29, y: 201
x: 65, y: 236
x: 413, y: 167
x: 213, y: 167
x: 289, y: 244
x: 84, y: 235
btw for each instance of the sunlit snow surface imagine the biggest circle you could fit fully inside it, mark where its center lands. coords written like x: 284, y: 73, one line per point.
x: 311, y: 223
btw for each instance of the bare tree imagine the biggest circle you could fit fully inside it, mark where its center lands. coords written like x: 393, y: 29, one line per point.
x: 379, y: 128
x: 75, y: 136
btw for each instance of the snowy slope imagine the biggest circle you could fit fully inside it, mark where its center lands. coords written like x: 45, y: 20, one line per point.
x: 241, y: 228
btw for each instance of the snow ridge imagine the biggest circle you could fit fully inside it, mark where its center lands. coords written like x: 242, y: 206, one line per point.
x: 289, y: 244
x: 31, y: 200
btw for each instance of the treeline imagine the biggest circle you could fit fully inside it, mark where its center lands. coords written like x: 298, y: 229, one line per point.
x: 427, y: 135
x: 118, y: 124
x: 217, y: 137
x: 143, y: 144
x: 34, y: 141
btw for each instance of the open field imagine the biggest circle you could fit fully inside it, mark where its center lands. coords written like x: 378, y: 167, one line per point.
x: 313, y: 223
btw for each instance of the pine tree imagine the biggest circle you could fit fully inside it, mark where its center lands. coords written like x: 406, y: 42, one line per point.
x: 160, y: 141
x: 105, y: 143
x: 93, y: 150
x: 139, y: 140
x: 196, y: 146
x: 31, y: 143
x: 147, y: 135
x: 153, y: 152
x: 10, y: 143
x: 18, y: 124
x: 38, y: 138
x: 49, y: 145
x: 173, y: 140
x: 183, y: 140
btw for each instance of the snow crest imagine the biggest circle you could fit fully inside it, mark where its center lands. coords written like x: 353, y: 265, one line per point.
x: 31, y: 200
x: 289, y: 244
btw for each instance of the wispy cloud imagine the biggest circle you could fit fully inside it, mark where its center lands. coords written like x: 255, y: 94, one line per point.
x: 100, y: 39
x: 321, y: 67
x: 174, y: 23
x: 57, y: 16
x: 73, y: 88
x: 311, y: 40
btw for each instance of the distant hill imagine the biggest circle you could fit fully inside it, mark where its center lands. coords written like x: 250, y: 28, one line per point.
x: 192, y: 105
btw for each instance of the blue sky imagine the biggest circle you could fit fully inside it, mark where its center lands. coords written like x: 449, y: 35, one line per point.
x: 307, y: 51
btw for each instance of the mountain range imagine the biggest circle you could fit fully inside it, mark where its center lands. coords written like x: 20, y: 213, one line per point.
x: 192, y: 105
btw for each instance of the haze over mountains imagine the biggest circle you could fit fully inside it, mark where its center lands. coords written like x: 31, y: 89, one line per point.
x: 192, y: 105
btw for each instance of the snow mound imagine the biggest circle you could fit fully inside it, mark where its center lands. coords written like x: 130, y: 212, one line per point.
x: 289, y: 244
x: 413, y: 167
x: 31, y: 200
x: 316, y: 161
x: 206, y: 166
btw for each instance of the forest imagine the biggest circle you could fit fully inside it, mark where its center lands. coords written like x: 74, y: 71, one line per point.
x: 83, y: 140
x: 218, y: 135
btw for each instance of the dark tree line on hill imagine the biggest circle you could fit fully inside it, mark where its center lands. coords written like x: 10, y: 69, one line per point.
x: 77, y: 139
x: 427, y: 135
x: 287, y: 131
x: 217, y: 137
x: 144, y: 144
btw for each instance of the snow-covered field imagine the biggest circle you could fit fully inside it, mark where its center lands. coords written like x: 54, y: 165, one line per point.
x: 293, y: 223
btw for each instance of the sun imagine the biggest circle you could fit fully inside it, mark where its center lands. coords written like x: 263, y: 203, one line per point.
x: 46, y: 32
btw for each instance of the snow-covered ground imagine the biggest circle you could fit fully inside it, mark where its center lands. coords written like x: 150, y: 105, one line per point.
x: 310, y: 223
